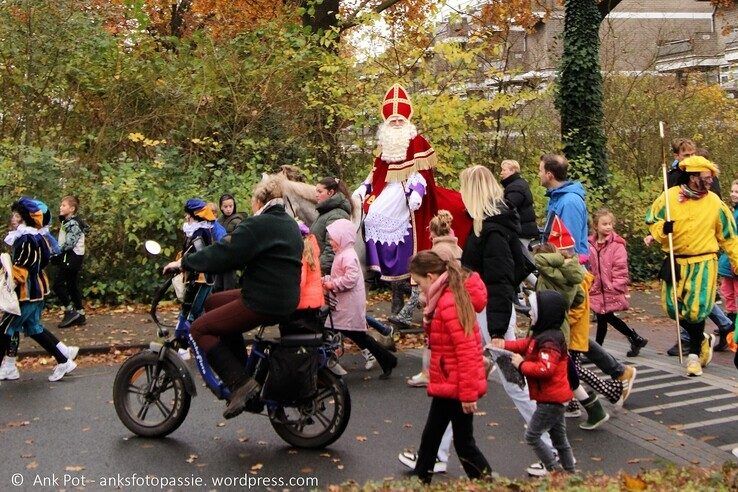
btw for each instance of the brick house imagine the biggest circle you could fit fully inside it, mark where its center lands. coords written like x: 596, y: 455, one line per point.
x: 638, y: 36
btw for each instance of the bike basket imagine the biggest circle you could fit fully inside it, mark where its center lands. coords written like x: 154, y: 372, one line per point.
x: 293, y: 374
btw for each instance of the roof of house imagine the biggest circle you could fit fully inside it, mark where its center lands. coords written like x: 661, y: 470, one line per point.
x: 665, y: 6
x: 641, y: 6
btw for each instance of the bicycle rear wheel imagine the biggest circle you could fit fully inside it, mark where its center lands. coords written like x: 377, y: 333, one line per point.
x: 320, y: 421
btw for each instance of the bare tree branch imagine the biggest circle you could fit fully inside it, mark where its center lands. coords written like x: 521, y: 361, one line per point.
x: 607, y: 6
x: 351, y: 21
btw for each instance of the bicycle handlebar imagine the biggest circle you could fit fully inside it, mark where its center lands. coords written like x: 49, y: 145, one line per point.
x: 158, y: 296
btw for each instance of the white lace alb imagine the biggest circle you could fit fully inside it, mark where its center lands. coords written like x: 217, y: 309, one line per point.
x: 388, y: 218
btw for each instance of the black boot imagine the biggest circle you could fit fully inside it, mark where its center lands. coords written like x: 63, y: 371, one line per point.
x: 70, y: 316
x: 231, y: 371
x: 636, y: 344
x: 722, y: 342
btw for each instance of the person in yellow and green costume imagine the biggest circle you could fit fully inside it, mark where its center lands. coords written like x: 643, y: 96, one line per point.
x: 701, y: 224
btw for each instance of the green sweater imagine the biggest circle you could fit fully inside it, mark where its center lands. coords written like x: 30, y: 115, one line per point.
x: 330, y: 210
x: 562, y: 275
x: 268, y: 247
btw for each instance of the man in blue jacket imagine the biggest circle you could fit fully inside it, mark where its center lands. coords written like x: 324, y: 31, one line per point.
x: 565, y: 199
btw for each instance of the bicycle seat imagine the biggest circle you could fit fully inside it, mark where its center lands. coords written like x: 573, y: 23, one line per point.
x: 302, y: 340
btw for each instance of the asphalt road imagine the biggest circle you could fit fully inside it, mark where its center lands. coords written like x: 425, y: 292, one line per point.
x: 69, y: 430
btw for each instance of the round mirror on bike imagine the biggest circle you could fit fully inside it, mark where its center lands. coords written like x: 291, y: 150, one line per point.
x: 152, y: 247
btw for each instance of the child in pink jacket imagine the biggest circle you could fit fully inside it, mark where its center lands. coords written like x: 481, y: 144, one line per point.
x: 346, y: 284
x: 608, y: 261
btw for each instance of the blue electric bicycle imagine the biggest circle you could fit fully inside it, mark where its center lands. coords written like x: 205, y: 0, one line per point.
x: 307, y: 403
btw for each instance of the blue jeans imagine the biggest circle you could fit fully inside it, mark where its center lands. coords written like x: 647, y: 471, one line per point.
x: 549, y: 417
x: 602, y: 359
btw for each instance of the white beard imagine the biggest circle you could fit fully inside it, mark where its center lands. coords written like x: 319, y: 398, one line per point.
x: 395, y: 141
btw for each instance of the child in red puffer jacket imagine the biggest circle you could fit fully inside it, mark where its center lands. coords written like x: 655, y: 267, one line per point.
x: 456, y: 375
x: 544, y: 365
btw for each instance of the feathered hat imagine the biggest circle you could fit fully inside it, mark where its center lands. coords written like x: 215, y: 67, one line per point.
x: 45, y: 213
x: 199, y: 209
x: 397, y: 103
x: 29, y: 211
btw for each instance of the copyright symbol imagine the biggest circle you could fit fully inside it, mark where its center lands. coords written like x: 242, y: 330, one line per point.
x: 17, y: 479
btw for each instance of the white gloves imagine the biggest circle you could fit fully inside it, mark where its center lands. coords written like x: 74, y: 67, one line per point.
x: 414, y: 201
x: 361, y: 191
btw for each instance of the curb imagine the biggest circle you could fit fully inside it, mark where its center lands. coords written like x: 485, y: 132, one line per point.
x: 102, y: 349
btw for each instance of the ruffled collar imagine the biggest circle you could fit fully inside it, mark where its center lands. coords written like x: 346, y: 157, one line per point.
x: 189, y: 228
x: 22, y: 230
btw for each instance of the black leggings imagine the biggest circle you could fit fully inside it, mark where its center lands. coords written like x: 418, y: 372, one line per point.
x: 65, y: 283
x: 46, y: 339
x: 617, y: 323
x: 443, y: 411
x: 365, y: 341
x: 571, y: 372
x: 696, y: 333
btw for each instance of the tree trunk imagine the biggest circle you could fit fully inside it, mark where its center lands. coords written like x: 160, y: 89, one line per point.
x: 176, y: 23
x: 325, y: 16
x: 580, y: 93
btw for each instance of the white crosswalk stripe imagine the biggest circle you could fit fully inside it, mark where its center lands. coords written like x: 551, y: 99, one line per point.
x: 723, y: 407
x: 692, y: 390
x: 683, y: 403
x: 706, y: 423
x: 640, y: 380
x: 678, y: 382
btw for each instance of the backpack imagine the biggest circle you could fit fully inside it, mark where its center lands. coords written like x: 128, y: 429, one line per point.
x: 524, y: 263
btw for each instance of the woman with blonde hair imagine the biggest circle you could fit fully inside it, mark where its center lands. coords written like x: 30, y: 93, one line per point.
x: 493, y: 250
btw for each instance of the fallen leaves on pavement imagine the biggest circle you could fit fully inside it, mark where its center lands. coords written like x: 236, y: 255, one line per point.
x: 111, y: 358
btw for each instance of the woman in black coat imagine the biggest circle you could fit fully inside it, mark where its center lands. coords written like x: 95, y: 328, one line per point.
x: 493, y: 249
x: 519, y: 196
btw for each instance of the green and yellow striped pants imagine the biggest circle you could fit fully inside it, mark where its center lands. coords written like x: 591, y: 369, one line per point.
x: 695, y: 289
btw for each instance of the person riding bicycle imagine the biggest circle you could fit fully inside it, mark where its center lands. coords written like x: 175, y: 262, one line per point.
x: 198, y: 230
x: 268, y: 247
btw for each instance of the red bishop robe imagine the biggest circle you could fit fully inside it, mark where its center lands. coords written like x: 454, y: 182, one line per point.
x: 421, y: 158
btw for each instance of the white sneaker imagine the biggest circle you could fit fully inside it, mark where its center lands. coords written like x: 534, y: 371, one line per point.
x: 8, y: 369
x: 694, y: 367
x: 410, y: 459
x: 420, y: 380
x: 184, y: 354
x: 370, y: 360
x: 537, y: 470
x: 735, y: 452
x: 72, y: 352
x: 61, y: 369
